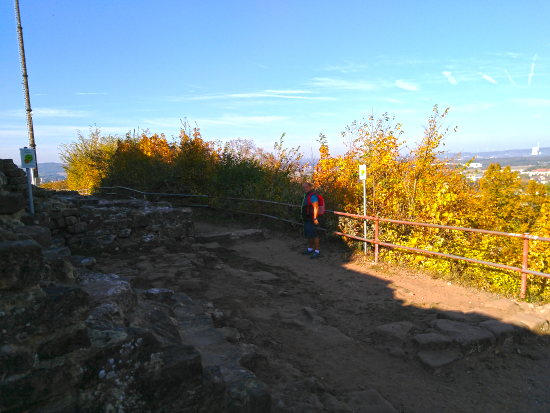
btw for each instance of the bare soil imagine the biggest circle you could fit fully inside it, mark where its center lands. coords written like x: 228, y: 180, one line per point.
x: 352, y: 298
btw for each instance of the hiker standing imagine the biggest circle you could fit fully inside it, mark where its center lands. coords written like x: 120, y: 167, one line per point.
x: 310, y: 216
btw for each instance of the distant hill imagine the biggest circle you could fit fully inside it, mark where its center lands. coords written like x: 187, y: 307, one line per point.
x: 510, y: 157
x: 51, y: 171
x: 509, y: 153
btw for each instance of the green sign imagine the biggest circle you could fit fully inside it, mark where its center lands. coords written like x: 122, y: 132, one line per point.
x: 28, y: 158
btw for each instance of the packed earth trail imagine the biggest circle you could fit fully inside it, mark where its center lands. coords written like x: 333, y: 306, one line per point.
x: 347, y: 336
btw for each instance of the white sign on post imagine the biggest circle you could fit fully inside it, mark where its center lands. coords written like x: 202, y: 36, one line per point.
x: 28, y: 158
x: 363, y: 177
x: 363, y: 172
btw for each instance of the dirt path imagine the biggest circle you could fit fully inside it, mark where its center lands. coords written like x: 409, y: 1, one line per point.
x: 356, y: 299
x: 317, y: 330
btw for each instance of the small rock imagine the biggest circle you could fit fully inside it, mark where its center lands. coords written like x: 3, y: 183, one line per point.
x: 431, y: 341
x: 505, y: 334
x: 434, y: 360
x: 470, y: 338
x: 532, y: 322
x: 231, y: 334
x: 312, y: 316
x: 397, y: 332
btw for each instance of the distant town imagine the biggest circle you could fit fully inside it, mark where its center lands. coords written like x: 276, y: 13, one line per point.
x: 532, y: 164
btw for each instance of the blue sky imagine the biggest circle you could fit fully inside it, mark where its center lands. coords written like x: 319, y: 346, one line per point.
x: 256, y: 69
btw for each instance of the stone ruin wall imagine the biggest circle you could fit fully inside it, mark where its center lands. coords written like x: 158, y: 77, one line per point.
x: 72, y: 339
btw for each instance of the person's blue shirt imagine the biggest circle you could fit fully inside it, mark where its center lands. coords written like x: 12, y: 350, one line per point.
x: 314, y: 198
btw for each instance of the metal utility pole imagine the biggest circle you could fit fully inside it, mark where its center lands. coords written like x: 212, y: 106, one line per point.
x: 35, y: 177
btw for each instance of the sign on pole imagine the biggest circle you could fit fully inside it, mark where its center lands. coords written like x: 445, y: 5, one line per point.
x: 363, y: 177
x: 363, y: 172
x: 28, y: 161
x: 28, y: 158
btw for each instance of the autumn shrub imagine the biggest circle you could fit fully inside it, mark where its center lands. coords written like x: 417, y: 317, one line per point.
x: 416, y: 183
x: 55, y: 185
x: 86, y: 160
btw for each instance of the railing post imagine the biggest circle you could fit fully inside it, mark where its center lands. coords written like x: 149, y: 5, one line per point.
x: 525, y: 265
x: 376, y: 240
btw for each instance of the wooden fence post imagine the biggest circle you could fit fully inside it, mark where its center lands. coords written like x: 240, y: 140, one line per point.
x: 525, y: 265
x: 376, y: 240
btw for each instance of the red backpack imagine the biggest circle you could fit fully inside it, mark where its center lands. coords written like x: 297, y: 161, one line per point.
x: 321, y: 211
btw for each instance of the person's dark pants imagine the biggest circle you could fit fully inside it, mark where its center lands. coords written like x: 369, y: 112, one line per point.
x: 310, y: 230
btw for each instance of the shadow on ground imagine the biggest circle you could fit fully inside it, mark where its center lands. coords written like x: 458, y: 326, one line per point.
x: 324, y: 336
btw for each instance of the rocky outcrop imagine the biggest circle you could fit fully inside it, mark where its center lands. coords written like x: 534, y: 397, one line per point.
x: 74, y: 339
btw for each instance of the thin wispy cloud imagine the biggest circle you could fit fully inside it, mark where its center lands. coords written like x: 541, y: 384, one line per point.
x: 450, y: 78
x: 347, y: 67
x: 241, y: 120
x: 288, y: 91
x: 488, y: 78
x: 270, y: 94
x: 91, y: 93
x: 406, y: 85
x: 330, y: 83
x: 532, y: 69
x: 60, y: 113
x: 533, y: 102
x: 48, y: 113
x: 391, y: 100
x: 510, y: 77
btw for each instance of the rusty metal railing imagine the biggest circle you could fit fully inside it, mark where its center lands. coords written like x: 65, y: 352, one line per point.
x: 524, y: 270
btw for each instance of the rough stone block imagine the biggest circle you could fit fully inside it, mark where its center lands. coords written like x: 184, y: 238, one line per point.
x: 116, y: 223
x: 106, y: 239
x: 69, y: 211
x: 77, y: 228
x: 505, y: 334
x: 434, y: 360
x: 124, y: 233
x: 68, y: 342
x: 15, y: 360
x: 17, y: 180
x: 470, y: 338
x: 55, y: 214
x: 41, y: 219
x: 432, y: 341
x: 71, y: 220
x: 53, y: 309
x: 530, y: 321
x: 393, y: 332
x: 42, y: 235
x: 21, y: 265
x: 11, y: 202
x: 88, y: 242
x: 110, y: 289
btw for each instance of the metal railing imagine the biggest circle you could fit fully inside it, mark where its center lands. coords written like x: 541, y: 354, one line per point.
x: 524, y: 270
